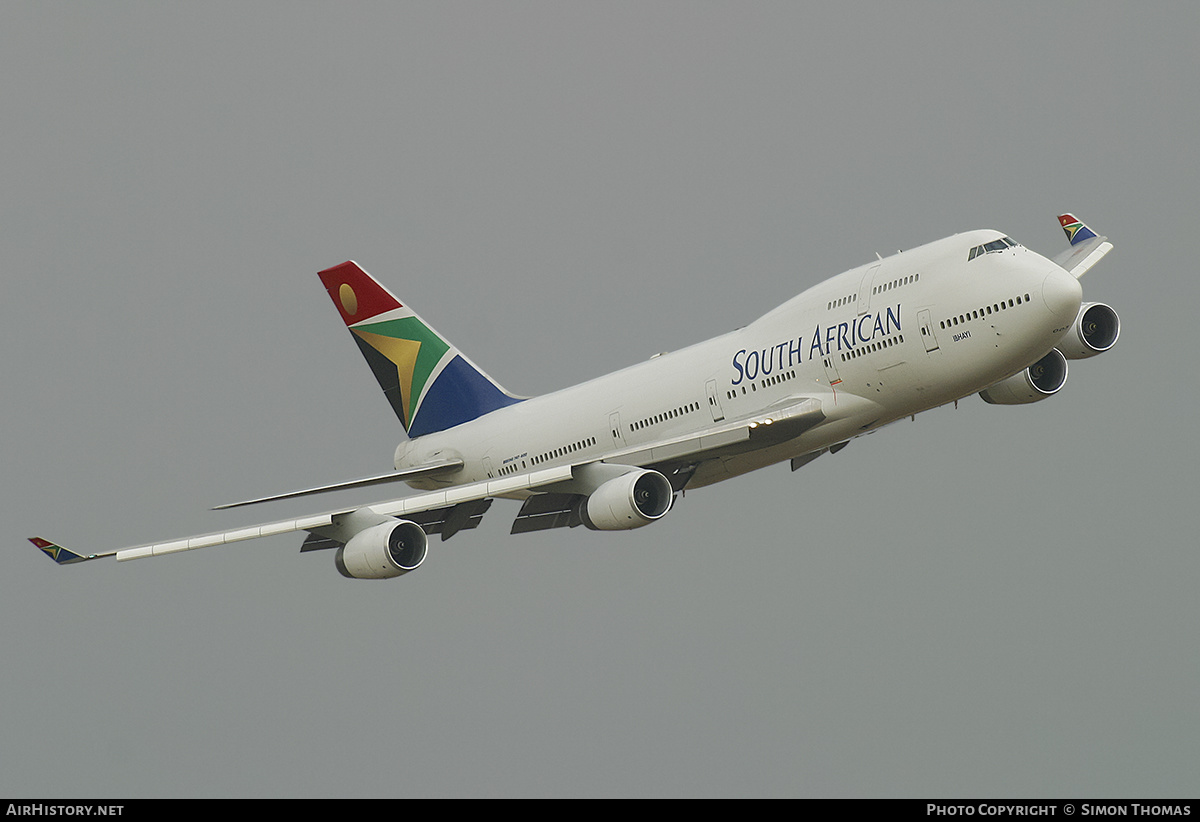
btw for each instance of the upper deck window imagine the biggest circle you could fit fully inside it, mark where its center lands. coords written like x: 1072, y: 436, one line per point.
x: 988, y: 248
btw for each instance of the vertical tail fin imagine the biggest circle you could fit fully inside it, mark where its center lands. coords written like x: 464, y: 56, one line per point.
x: 428, y: 381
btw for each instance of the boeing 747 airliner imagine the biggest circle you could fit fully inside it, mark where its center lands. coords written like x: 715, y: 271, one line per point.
x: 976, y: 313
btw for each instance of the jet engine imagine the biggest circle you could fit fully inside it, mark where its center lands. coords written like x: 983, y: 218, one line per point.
x: 383, y: 551
x: 1038, y: 381
x: 631, y: 500
x: 1095, y: 329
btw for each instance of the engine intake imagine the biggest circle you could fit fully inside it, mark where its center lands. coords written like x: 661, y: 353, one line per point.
x: 631, y: 500
x: 1095, y: 330
x: 1040, y: 380
x: 383, y: 551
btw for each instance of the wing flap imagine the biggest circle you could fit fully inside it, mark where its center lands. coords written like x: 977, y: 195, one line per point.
x: 449, y: 521
x: 541, y: 512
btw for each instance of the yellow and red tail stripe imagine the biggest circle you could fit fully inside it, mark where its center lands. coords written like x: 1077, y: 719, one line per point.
x: 431, y: 386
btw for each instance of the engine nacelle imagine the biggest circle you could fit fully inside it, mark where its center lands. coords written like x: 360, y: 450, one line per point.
x: 383, y: 551
x: 1040, y: 380
x: 1095, y: 330
x: 631, y: 500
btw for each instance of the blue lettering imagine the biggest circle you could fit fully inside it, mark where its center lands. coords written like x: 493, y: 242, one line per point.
x: 738, y: 366
x: 893, y: 318
x: 753, y: 364
x: 816, y: 343
x: 865, y: 318
x: 768, y: 361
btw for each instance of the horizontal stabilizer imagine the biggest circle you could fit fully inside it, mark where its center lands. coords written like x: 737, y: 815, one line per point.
x: 444, y: 467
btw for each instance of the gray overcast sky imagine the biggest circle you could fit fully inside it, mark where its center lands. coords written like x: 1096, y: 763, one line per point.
x: 986, y: 601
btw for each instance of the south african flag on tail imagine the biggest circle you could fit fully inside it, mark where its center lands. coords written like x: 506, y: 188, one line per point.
x: 1075, y: 230
x: 58, y: 553
x: 430, y: 384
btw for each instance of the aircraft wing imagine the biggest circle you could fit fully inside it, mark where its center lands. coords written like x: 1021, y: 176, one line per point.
x: 330, y: 522
x: 455, y: 508
x: 432, y: 470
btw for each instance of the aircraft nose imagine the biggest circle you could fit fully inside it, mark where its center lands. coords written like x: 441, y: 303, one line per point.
x: 1062, y: 293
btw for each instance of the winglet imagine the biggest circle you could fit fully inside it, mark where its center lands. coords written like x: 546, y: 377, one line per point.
x: 1086, y: 249
x: 57, y: 553
x: 1075, y: 230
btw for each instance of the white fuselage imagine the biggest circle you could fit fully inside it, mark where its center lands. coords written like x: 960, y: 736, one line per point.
x: 874, y: 344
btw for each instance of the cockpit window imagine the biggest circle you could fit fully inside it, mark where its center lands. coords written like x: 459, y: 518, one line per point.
x: 993, y: 246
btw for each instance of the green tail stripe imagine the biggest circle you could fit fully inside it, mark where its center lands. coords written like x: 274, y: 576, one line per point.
x: 412, y: 351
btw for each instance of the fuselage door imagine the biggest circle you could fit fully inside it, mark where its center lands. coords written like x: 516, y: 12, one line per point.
x: 864, y: 289
x: 714, y: 402
x: 831, y: 372
x: 926, y: 324
x: 614, y: 426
